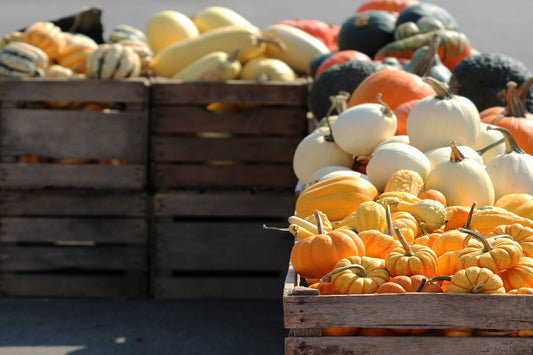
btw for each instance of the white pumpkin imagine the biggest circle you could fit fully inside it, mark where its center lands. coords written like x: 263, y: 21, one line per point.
x: 462, y: 181
x: 318, y: 150
x: 436, y: 155
x: 403, y: 138
x: 485, y: 139
x: 317, y: 175
x: 435, y: 121
x: 344, y: 173
x: 511, y: 172
x: 392, y: 157
x: 359, y: 129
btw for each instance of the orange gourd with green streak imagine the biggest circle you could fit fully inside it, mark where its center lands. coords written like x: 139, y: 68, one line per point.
x: 412, y: 259
x: 358, y: 275
x: 520, y: 275
x: 523, y: 235
x: 336, y: 197
x: 496, y: 254
x: 475, y: 279
x: 315, y: 256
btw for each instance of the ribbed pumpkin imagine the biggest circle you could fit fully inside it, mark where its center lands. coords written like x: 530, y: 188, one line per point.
x: 46, y: 36
x: 76, y: 53
x: 396, y: 87
x: 411, y: 259
x: 520, y: 275
x: 475, y: 280
x: 315, y: 256
x: 20, y: 59
x: 413, y: 283
x: 358, y: 275
x: 336, y: 197
x: 122, y: 31
x: 113, y: 61
x: 519, y: 233
x: 143, y: 50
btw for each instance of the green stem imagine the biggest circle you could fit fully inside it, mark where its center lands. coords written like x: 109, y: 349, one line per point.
x: 361, y: 271
x: 470, y: 213
x: 406, y: 246
x: 486, y: 245
x: 423, y: 283
x: 443, y: 92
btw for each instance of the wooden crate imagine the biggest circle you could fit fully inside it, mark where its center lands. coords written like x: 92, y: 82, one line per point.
x: 217, y: 178
x: 306, y: 313
x: 80, y: 227
x: 32, y: 124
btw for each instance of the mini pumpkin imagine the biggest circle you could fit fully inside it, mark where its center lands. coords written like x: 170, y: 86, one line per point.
x: 475, y: 279
x: 518, y: 276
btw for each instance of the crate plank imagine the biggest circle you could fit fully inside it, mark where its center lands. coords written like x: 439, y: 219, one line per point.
x: 220, y: 245
x: 251, y: 176
x: 214, y: 203
x: 292, y: 93
x: 50, y: 258
x: 129, y: 285
x: 407, y: 345
x: 259, y: 121
x: 133, y: 90
x: 128, y: 231
x: 73, y: 203
x: 217, y: 287
x: 97, y: 176
x: 74, y: 134
x: 240, y: 149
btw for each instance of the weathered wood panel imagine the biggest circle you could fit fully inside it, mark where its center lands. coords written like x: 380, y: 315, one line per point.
x: 73, y: 203
x: 258, y: 121
x: 219, y: 176
x: 127, y: 231
x: 115, y: 286
x: 292, y: 93
x: 212, y: 203
x: 96, y: 176
x: 74, y: 134
x: 407, y: 345
x: 220, y: 245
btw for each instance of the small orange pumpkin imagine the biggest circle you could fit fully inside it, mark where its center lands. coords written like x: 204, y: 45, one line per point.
x: 523, y: 235
x: 475, y: 279
x: 413, y: 283
x: 411, y: 259
x: 520, y: 275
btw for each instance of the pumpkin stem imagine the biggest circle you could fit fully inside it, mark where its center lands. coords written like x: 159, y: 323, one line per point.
x: 486, y: 245
x: 406, y: 246
x: 423, y: 228
x: 478, y: 288
x: 443, y: 92
x: 319, y: 224
x: 361, y: 271
x: 422, y: 284
x: 440, y: 278
x: 510, y: 143
x: 423, y: 67
x: 386, y: 109
x: 490, y: 146
x: 456, y: 156
x: 469, y: 218
x: 390, y: 227
x: 514, y: 107
x: 523, y: 91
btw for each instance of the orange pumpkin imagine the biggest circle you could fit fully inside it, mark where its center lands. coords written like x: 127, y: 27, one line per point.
x: 315, y: 256
x: 412, y: 259
x: 520, y: 275
x: 521, y: 291
x: 358, y: 275
x: 433, y: 194
x: 339, y: 58
x: 427, y: 239
x: 523, y: 235
x: 395, y: 86
x: 377, y: 244
x: 392, y: 6
x: 407, y: 224
x: 413, y: 283
x: 402, y: 112
x: 475, y: 279
x: 46, y: 36
x: 458, y: 216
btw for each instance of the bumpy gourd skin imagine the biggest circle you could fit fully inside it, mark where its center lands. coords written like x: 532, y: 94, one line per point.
x: 342, y: 77
x: 483, y: 79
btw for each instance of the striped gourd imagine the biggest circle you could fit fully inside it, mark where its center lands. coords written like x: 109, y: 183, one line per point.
x: 113, y: 61
x: 47, y: 36
x: 10, y: 37
x: 21, y: 59
x: 76, y: 53
x: 143, y: 50
x: 122, y: 32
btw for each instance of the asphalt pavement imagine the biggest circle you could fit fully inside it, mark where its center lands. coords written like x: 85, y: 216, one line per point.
x: 37, y: 326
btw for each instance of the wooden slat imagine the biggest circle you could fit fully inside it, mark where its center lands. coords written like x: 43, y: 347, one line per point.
x: 223, y: 204
x: 245, y: 176
x: 129, y: 285
x: 264, y: 120
x: 292, y: 93
x: 221, y: 245
x: 130, y: 90
x: 217, y: 288
x: 407, y: 345
x: 49, y: 258
x: 97, y: 230
x: 413, y: 310
x: 74, y: 134
x: 97, y: 176
x: 73, y: 203
x: 240, y: 149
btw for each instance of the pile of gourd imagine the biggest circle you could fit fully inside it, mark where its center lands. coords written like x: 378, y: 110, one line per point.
x: 215, y: 44
x: 407, y: 186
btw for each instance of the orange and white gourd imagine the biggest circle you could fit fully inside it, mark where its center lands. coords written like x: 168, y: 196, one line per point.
x: 76, y: 52
x: 46, y: 36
